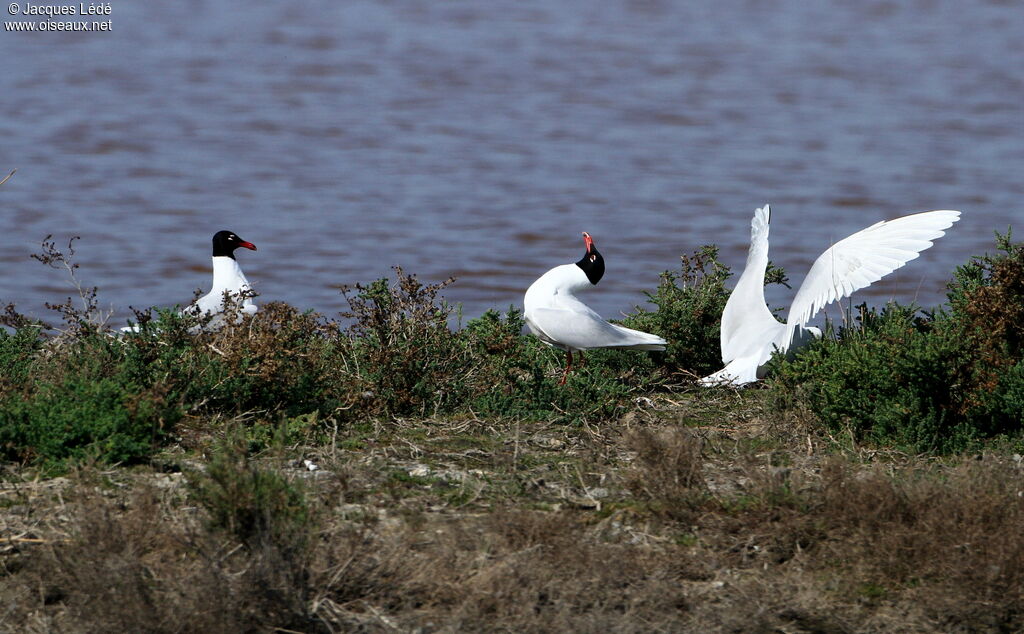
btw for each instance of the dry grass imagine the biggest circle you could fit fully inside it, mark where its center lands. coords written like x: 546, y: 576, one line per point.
x: 461, y: 525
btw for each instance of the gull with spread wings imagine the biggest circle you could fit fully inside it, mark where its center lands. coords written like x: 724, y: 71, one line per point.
x: 750, y: 332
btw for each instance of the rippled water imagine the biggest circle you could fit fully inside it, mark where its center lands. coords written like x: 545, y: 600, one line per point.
x: 480, y: 139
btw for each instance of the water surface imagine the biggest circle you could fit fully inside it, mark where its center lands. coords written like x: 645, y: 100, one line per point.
x: 480, y: 139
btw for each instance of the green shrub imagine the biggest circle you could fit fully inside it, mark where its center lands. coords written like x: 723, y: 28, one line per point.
x: 514, y: 377
x: 890, y: 380
x: 937, y: 382
x: 17, y: 349
x: 75, y: 402
x: 986, y: 299
x: 517, y: 375
x: 1007, y: 400
x: 409, y: 360
x: 257, y: 505
x: 279, y: 360
x: 689, y: 313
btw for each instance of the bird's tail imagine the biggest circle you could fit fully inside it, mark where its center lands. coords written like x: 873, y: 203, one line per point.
x: 740, y: 372
x: 636, y: 340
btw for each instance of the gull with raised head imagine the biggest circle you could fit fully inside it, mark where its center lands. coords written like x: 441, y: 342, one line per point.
x: 559, y: 319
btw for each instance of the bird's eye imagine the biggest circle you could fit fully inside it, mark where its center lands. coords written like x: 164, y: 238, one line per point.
x: 593, y: 258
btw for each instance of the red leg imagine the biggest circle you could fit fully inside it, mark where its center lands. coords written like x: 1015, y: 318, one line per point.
x: 580, y: 360
x: 568, y: 366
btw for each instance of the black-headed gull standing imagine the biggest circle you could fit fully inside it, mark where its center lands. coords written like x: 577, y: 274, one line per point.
x: 750, y: 333
x: 227, y: 278
x: 559, y: 319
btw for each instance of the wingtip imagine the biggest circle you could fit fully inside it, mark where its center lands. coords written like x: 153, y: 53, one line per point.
x: 947, y: 217
x: 759, y: 223
x: 948, y: 214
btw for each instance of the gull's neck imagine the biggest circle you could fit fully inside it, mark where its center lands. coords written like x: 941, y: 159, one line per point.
x: 227, y: 275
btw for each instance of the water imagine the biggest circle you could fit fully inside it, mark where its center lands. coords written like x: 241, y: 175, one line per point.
x: 480, y: 139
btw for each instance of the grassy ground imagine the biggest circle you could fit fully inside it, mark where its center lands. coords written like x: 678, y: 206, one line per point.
x: 292, y: 473
x: 694, y: 511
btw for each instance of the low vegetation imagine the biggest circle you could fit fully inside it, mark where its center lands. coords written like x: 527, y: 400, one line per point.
x: 932, y: 382
x: 382, y: 471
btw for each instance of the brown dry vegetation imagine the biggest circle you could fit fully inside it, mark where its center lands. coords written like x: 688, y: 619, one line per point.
x: 657, y: 522
x: 459, y: 488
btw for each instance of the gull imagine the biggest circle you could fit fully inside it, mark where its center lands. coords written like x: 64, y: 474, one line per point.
x: 750, y: 332
x: 229, y: 283
x: 228, y: 278
x: 559, y: 319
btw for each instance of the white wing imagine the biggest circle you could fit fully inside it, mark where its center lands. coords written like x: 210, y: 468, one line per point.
x: 582, y: 330
x: 864, y: 258
x: 747, y: 324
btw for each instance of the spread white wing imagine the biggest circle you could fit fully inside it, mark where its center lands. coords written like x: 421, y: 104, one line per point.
x: 864, y: 258
x: 750, y: 332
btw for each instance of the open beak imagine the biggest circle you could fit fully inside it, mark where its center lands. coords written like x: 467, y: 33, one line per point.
x: 247, y: 245
x: 587, y: 240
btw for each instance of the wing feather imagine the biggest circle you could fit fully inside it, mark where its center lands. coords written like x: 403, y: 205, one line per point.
x: 864, y: 258
x: 746, y: 317
x: 584, y: 330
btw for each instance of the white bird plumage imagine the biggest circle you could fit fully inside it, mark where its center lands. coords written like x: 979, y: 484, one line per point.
x: 558, y: 318
x: 229, y: 284
x: 227, y: 278
x: 750, y: 333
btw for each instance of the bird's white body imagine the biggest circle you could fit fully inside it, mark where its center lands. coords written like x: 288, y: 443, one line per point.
x: 227, y: 278
x: 750, y: 333
x: 559, y: 319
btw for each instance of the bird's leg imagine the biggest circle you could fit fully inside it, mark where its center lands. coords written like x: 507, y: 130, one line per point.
x: 568, y: 366
x: 580, y: 359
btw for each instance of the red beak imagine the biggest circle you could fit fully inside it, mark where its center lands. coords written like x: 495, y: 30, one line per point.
x: 247, y: 245
x: 587, y: 240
